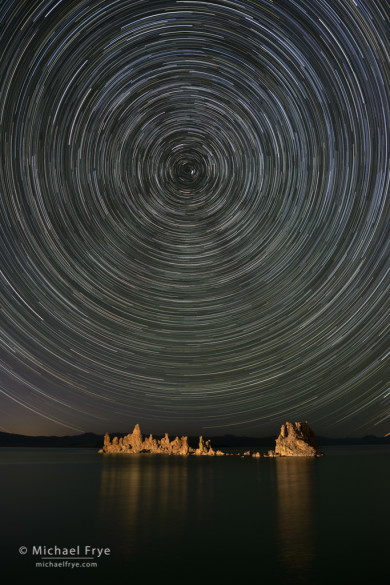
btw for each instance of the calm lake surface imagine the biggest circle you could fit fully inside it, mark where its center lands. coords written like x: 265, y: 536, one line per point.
x: 170, y: 519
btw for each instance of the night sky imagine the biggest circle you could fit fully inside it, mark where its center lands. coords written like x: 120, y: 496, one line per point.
x: 194, y: 215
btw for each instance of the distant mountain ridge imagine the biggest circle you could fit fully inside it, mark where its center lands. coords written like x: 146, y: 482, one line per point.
x: 83, y: 440
x: 92, y: 440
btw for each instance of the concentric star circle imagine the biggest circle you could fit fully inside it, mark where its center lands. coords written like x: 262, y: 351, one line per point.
x: 194, y: 221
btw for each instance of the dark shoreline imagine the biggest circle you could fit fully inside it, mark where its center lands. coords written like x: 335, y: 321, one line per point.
x: 91, y: 440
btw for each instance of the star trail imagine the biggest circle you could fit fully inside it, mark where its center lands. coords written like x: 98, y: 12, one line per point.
x: 194, y: 215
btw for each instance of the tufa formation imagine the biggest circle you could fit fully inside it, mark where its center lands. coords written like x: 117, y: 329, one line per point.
x: 134, y: 443
x: 296, y: 440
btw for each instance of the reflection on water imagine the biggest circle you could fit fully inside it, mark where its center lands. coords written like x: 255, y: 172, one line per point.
x: 138, y: 497
x: 290, y: 521
x: 165, y: 505
x: 295, y: 508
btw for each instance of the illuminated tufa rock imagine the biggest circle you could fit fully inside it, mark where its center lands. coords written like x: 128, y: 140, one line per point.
x: 134, y: 443
x: 296, y: 440
x: 204, y: 448
x: 164, y: 444
x: 150, y: 444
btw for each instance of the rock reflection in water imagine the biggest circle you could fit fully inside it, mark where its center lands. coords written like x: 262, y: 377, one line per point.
x: 296, y: 522
x: 136, y: 499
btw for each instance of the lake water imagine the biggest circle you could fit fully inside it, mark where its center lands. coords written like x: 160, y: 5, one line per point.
x: 198, y: 519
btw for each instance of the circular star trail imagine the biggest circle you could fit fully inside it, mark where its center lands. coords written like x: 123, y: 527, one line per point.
x: 194, y: 226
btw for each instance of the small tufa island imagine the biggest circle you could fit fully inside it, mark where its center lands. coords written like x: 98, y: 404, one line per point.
x: 295, y: 440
